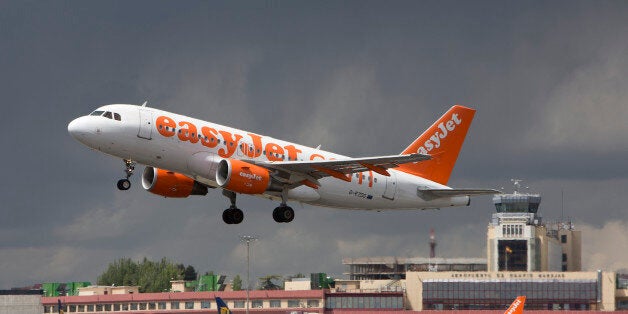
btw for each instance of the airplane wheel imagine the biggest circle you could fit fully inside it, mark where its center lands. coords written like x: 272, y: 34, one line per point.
x: 283, y: 214
x: 276, y: 214
x: 226, y: 217
x: 237, y: 216
x: 232, y: 215
x: 124, y: 184
x: 287, y: 214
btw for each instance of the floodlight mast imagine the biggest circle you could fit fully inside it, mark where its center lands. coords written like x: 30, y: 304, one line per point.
x: 248, y: 239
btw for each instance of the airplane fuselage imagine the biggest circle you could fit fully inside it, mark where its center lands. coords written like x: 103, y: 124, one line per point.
x: 194, y: 147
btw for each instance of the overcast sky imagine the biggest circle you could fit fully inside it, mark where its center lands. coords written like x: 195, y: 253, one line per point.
x: 549, y: 80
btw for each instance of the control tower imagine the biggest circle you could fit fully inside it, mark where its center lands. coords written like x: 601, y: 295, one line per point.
x: 518, y: 240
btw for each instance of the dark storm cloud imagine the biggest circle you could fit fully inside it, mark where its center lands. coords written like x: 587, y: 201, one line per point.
x: 361, y: 78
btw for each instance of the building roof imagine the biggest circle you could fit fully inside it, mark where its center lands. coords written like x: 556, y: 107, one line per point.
x: 411, y: 260
x: 186, y: 296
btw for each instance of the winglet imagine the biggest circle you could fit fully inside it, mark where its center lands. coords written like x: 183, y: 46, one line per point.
x: 517, y: 305
x: 443, y: 141
x: 222, y: 306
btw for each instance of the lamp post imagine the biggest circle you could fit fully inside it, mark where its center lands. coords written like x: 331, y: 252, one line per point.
x: 248, y: 239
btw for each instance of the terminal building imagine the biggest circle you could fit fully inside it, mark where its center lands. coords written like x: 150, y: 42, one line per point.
x: 524, y: 256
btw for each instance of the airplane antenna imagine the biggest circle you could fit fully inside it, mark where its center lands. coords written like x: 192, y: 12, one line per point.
x: 144, y: 104
x: 319, y: 146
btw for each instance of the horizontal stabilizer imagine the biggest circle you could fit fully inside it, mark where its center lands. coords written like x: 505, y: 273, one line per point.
x: 429, y: 194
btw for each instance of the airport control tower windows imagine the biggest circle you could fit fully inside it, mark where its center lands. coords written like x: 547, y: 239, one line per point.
x: 513, y: 255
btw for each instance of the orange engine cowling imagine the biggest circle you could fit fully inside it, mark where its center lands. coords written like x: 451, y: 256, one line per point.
x: 170, y: 184
x: 242, y: 177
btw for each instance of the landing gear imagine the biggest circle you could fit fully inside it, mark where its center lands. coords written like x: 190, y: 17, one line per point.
x: 232, y: 215
x: 125, y: 184
x: 283, y: 213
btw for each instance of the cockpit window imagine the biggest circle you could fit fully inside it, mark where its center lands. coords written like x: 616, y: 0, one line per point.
x: 108, y: 115
x: 117, y: 116
x: 97, y: 113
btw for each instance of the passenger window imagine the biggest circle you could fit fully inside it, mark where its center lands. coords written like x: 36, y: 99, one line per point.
x: 108, y: 115
x: 97, y: 113
x: 117, y: 116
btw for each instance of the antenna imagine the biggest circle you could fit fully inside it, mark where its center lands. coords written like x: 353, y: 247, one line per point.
x: 144, y: 104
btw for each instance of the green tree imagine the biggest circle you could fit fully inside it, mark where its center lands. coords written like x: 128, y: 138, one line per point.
x: 150, y: 276
x: 237, y: 283
x: 190, y: 273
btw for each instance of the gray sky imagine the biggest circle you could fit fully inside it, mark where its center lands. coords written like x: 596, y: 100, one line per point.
x: 549, y: 81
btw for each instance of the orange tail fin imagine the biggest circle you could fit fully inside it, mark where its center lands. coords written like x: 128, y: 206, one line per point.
x: 442, y: 141
x: 517, y: 306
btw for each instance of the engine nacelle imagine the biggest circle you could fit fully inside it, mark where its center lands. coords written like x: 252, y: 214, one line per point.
x: 242, y: 177
x: 170, y: 184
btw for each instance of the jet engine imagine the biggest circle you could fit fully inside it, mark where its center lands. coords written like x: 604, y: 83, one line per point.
x: 170, y: 184
x: 242, y: 177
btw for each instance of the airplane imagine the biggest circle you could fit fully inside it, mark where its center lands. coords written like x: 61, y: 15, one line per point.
x: 222, y: 306
x: 517, y: 305
x: 186, y: 156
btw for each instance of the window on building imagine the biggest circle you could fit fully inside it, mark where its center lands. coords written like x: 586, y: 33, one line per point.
x: 275, y: 303
x: 174, y: 305
x: 116, y: 307
x: 143, y: 306
x: 152, y: 306
x: 312, y: 303
x: 99, y: 307
x: 189, y: 305
x: 80, y: 308
x: 133, y: 306
x: 564, y: 257
x: 161, y: 305
x: 205, y: 304
x: 293, y: 303
x: 125, y: 307
x: 238, y: 304
x: 90, y: 307
x: 107, y: 307
x: 257, y: 304
x: 563, y: 238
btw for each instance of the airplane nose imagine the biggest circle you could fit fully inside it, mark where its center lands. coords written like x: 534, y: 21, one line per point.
x: 78, y: 127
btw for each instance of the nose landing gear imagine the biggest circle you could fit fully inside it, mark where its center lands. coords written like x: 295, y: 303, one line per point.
x: 125, y: 184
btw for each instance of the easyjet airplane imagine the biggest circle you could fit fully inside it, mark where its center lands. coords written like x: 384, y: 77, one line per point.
x: 186, y: 156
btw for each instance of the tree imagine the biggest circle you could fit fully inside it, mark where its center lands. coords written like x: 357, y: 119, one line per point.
x: 190, y: 273
x: 266, y: 282
x: 148, y: 275
x: 236, y: 285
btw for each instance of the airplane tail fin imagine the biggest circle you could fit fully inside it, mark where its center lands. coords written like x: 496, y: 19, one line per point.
x: 517, y: 306
x: 222, y: 306
x: 442, y: 141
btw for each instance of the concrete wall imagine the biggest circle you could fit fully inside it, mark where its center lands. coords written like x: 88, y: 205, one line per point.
x: 21, y: 304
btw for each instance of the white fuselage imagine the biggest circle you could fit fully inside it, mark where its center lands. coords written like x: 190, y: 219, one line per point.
x: 140, y: 136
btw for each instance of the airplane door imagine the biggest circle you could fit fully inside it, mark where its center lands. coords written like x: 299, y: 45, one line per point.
x: 146, y: 118
x: 391, y: 186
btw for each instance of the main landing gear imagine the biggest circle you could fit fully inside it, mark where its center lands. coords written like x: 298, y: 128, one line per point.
x: 283, y: 213
x: 125, y: 184
x: 233, y: 215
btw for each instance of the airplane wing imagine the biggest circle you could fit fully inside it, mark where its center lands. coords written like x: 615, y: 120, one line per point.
x: 296, y: 171
x: 428, y: 194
